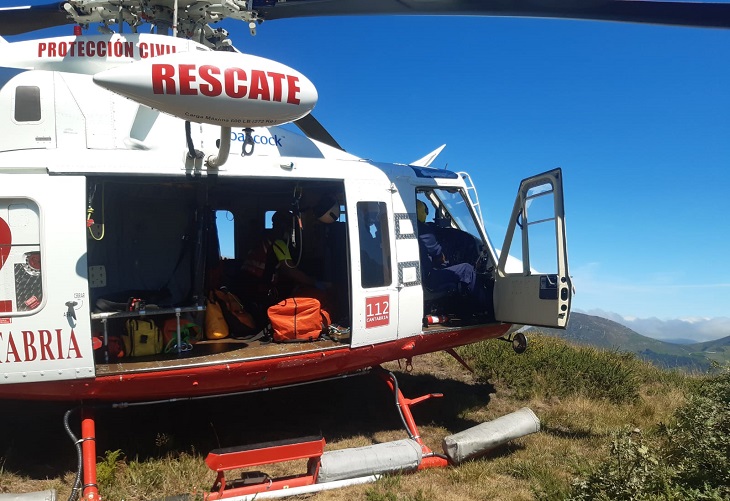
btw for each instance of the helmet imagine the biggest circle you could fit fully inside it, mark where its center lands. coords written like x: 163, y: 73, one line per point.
x: 327, y: 210
x: 281, y: 219
x: 421, y: 211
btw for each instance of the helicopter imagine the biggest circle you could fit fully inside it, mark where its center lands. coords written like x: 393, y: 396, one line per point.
x: 162, y: 143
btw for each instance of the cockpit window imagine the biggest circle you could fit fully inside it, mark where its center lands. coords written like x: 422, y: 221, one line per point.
x: 450, y: 209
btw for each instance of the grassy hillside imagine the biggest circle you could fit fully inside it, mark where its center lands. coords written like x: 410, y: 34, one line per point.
x: 717, y: 350
x: 607, y: 419
x: 590, y: 330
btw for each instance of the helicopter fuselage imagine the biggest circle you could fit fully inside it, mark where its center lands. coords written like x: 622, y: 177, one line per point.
x: 106, y: 200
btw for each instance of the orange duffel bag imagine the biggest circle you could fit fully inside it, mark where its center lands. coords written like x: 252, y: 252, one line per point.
x: 298, y: 319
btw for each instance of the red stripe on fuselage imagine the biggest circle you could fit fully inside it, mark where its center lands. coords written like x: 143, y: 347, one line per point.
x: 246, y: 375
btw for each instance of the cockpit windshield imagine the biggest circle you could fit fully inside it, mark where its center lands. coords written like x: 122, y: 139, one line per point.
x: 452, y: 209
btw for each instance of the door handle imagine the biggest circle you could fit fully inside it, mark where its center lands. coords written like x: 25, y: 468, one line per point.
x: 71, y: 312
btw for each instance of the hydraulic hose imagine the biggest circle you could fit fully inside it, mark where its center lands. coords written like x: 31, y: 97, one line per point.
x: 189, y: 140
x: 397, y: 404
x: 77, y: 481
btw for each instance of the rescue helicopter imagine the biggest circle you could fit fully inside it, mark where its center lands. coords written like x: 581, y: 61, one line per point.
x: 126, y: 156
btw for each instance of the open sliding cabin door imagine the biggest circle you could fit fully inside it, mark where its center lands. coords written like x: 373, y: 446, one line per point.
x: 45, y: 331
x: 532, y: 285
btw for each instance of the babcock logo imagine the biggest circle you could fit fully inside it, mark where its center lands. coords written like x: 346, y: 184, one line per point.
x: 270, y: 140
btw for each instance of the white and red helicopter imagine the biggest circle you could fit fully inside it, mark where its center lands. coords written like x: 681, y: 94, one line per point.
x: 125, y: 157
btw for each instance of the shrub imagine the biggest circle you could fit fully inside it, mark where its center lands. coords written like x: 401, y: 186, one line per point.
x: 107, y: 468
x: 634, y: 468
x: 552, y: 367
x: 689, y: 459
x: 698, y: 443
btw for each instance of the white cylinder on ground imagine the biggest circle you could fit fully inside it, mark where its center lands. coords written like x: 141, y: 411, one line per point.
x: 479, y: 439
x: 49, y: 495
x: 401, y: 455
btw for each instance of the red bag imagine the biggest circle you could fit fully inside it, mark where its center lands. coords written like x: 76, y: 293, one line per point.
x: 298, y: 319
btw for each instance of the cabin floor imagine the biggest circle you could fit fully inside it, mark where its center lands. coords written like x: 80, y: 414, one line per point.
x: 231, y: 350
x: 211, y: 352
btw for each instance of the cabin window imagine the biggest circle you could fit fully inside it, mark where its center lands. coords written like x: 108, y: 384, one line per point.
x: 27, y: 103
x: 375, y: 266
x: 268, y: 219
x: 225, y: 224
x: 20, y: 256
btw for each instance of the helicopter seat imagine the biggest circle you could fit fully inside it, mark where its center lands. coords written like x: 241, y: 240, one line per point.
x: 438, y: 298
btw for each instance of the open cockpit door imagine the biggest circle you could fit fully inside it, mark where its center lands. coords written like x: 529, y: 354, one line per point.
x: 532, y: 285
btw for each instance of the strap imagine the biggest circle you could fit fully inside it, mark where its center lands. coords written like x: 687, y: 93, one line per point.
x: 283, y: 252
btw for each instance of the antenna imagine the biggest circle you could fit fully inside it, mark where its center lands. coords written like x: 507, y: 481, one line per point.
x: 174, y: 20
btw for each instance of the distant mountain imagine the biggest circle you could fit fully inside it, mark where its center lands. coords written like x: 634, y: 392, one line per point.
x: 672, y: 340
x: 717, y: 350
x: 692, y: 329
x: 603, y: 333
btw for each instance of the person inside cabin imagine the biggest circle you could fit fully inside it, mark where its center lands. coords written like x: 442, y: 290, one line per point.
x: 269, y: 266
x: 324, y: 249
x: 436, y: 271
x: 318, y: 234
x: 327, y: 209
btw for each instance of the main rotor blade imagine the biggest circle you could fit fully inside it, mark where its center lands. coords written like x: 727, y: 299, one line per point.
x: 17, y: 20
x: 701, y: 14
x: 311, y: 128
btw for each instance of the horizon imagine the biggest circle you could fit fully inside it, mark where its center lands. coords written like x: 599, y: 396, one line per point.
x: 676, y: 330
x: 636, y: 116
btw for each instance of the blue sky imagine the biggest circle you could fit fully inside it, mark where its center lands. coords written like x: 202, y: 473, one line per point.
x: 637, y: 116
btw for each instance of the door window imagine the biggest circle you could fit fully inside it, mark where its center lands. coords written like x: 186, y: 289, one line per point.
x: 538, y: 229
x: 375, y: 261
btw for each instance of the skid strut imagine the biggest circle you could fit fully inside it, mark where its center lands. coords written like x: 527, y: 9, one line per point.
x: 89, y: 489
x: 88, y: 451
x: 430, y: 458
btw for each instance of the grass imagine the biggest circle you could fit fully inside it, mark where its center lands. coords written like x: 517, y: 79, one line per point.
x: 122, y: 478
x: 599, y: 411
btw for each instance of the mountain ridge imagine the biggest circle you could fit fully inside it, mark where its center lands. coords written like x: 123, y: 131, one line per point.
x: 600, y: 332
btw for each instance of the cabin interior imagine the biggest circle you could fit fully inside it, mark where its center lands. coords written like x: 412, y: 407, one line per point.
x: 157, y: 244
x: 170, y: 242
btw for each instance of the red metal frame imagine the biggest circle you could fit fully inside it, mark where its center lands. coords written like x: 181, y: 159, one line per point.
x: 430, y: 460
x: 224, y: 460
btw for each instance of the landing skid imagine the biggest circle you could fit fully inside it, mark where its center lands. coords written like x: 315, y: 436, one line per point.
x: 355, y: 466
x: 324, y: 470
